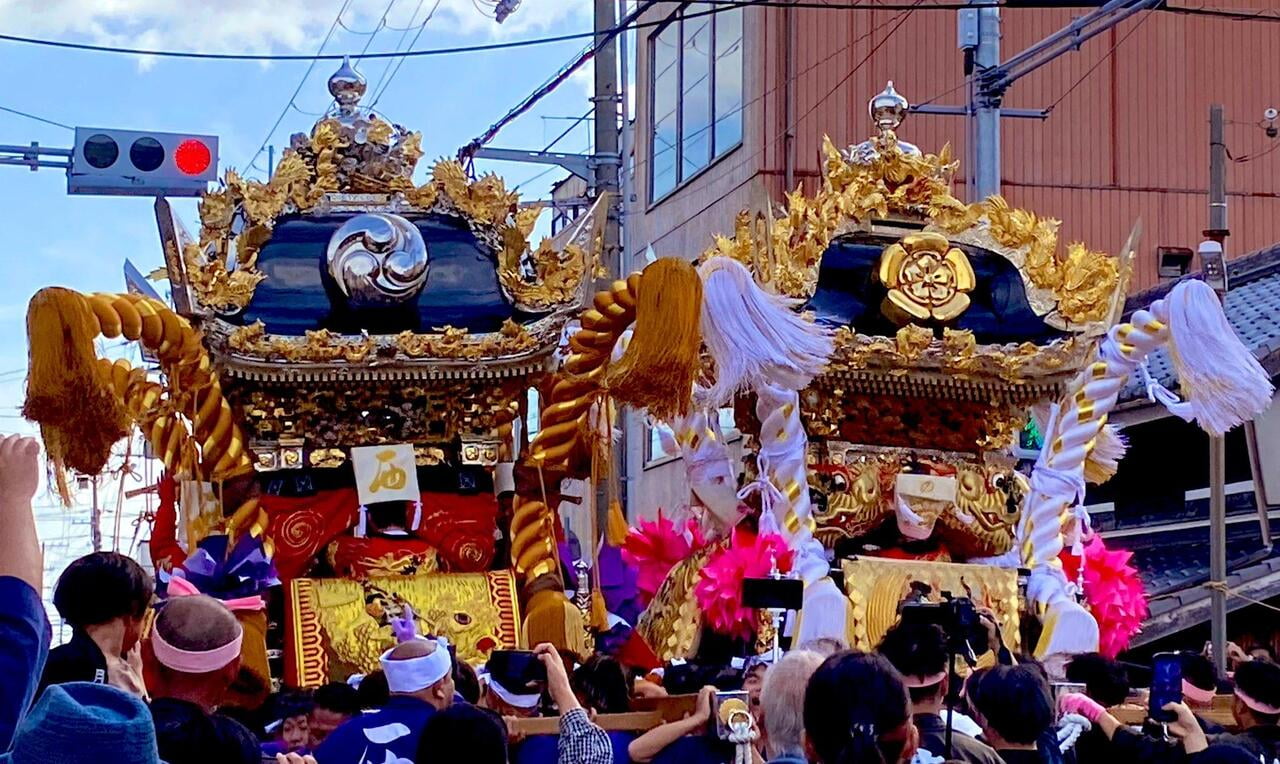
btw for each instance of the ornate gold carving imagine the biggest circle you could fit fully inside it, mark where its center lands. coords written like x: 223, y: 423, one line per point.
x: 476, y: 611
x: 323, y: 346
x: 877, y: 586
x: 914, y: 347
x: 926, y: 277
x: 239, y: 217
x: 784, y: 250
x: 332, y: 417
x: 859, y: 494
x: 672, y: 622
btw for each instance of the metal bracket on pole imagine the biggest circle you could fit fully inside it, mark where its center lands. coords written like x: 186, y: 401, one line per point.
x: 960, y: 111
x: 581, y: 165
x: 30, y: 156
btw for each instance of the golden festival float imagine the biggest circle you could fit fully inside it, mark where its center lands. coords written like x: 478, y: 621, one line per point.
x: 342, y: 396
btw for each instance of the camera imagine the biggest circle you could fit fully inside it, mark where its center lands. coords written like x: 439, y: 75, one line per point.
x: 730, y: 713
x: 958, y: 618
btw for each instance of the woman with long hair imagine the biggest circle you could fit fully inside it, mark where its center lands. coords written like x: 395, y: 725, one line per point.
x: 856, y: 711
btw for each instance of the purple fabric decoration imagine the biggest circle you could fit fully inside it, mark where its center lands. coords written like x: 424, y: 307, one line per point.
x: 225, y: 571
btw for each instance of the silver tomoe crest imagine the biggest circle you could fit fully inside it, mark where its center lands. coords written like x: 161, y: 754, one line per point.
x: 378, y: 260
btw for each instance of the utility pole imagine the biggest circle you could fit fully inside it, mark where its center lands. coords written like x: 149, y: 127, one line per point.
x: 607, y: 159
x: 1212, y: 263
x: 985, y: 109
x: 95, y: 517
x: 607, y: 164
x: 991, y: 77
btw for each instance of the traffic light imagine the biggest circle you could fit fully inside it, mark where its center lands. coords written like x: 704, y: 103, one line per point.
x: 141, y: 163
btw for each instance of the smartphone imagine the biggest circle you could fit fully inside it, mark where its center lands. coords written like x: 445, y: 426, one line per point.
x: 1166, y: 685
x: 775, y: 593
x: 516, y: 668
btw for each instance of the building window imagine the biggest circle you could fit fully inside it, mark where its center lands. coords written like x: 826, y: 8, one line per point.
x: 659, y: 431
x: 697, y: 95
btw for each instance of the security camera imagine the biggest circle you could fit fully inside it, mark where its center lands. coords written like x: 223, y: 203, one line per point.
x: 1269, y: 116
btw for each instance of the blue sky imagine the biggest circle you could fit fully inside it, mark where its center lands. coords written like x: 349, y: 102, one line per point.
x: 81, y: 241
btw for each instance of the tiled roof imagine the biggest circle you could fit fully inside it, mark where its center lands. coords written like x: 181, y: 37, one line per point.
x: 1252, y: 307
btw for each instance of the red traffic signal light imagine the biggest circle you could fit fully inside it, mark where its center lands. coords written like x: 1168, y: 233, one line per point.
x: 141, y: 163
x: 192, y: 156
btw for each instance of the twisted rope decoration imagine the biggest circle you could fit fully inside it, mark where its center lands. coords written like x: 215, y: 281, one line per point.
x: 782, y: 455
x: 1057, y: 483
x: 709, y: 468
x: 193, y: 392
x: 560, y: 443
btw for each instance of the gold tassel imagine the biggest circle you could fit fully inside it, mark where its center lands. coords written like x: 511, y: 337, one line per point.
x: 657, y: 370
x: 554, y: 619
x: 599, y: 613
x: 616, y: 528
x: 68, y: 393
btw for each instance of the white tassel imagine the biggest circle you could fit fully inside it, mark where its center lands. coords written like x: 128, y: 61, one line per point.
x: 1103, y: 461
x: 754, y: 337
x: 362, y: 525
x: 1220, y: 379
x: 417, y: 515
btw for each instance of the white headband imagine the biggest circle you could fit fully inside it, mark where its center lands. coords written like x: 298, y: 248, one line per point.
x: 509, y: 697
x: 405, y: 675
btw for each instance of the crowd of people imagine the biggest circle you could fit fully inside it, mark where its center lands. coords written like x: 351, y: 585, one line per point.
x: 113, y: 693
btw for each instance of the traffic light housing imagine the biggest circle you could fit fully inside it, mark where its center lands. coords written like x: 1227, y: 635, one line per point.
x: 141, y: 163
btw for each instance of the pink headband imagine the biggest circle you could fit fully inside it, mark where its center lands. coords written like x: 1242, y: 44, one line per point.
x: 1195, y: 694
x: 195, y: 661
x: 915, y: 680
x: 1257, y: 705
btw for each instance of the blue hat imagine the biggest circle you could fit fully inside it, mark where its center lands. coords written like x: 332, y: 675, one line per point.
x: 85, y: 722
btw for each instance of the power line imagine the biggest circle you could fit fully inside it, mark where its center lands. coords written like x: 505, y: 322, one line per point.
x: 377, y: 96
x: 382, y: 22
x: 1098, y: 63
x: 722, y: 5
x: 311, y: 67
x: 55, y: 123
x: 897, y: 21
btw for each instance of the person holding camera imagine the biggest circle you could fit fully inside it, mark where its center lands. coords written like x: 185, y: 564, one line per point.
x: 581, y: 740
x: 919, y: 652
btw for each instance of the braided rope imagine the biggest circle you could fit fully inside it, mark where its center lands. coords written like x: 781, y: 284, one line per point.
x: 1057, y: 484
x: 560, y: 442
x: 214, y: 443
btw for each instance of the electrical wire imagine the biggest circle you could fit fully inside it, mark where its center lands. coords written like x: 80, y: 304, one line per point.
x: 382, y: 22
x: 1106, y: 57
x: 302, y: 82
x: 453, y: 50
x: 55, y: 123
x: 377, y: 96
x: 897, y: 21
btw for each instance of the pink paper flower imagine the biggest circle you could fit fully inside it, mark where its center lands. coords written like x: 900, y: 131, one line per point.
x: 1113, y: 592
x: 719, y: 591
x: 655, y: 547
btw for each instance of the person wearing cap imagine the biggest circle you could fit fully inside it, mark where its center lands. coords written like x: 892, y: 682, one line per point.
x: 520, y: 703
x: 24, y: 627
x: 85, y: 722
x: 919, y: 652
x: 419, y: 676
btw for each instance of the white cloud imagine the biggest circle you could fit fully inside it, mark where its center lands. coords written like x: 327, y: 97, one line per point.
x: 269, y: 26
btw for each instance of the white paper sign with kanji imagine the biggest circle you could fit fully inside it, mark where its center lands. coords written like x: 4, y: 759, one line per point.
x: 385, y: 473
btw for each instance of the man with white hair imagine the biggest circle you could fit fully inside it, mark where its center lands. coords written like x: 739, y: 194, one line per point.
x: 420, y: 677
x: 782, y: 705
